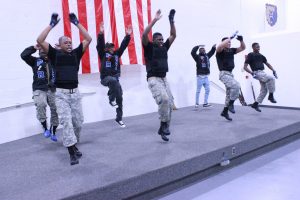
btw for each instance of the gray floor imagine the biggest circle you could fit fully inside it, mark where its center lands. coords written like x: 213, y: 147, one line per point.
x: 36, y: 168
x: 273, y: 176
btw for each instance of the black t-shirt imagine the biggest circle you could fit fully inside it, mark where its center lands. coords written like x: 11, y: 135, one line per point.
x: 225, y: 59
x: 148, y: 57
x: 66, y: 66
x: 256, y: 61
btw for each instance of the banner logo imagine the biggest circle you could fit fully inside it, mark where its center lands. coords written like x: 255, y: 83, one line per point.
x: 271, y: 14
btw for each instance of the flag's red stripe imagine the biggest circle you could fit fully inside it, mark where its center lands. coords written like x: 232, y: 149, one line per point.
x: 99, y: 18
x: 67, y: 24
x: 113, y: 24
x: 82, y: 17
x: 128, y: 22
x: 139, y: 6
x: 149, y: 16
x: 98, y: 14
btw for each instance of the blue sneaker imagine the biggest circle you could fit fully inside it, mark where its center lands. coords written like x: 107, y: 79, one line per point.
x: 47, y: 133
x: 53, y: 138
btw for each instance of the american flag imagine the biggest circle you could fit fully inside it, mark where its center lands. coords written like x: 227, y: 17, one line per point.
x: 116, y: 15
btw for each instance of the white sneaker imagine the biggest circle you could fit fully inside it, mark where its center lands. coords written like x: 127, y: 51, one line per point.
x: 206, y: 105
x: 113, y: 104
x: 121, y: 124
x: 197, y: 106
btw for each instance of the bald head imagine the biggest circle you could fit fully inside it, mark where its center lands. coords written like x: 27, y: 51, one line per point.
x: 65, y: 44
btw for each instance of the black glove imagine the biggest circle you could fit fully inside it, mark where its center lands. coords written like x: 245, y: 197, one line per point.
x: 275, y: 74
x: 32, y: 49
x: 171, y: 16
x: 73, y: 18
x: 54, y: 19
x: 239, y: 38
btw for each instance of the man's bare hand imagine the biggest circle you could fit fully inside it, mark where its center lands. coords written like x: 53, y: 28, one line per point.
x: 129, y: 30
x: 101, y: 27
x: 37, y: 47
x: 158, y: 15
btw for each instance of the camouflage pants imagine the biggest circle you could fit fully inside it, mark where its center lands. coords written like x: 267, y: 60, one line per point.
x: 267, y: 83
x: 41, y: 99
x: 231, y: 85
x: 69, y: 109
x: 161, y: 92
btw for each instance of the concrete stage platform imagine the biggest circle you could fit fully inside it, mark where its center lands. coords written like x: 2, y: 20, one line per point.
x: 125, y: 163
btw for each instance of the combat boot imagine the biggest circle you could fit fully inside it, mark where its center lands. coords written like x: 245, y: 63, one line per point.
x: 164, y: 128
x: 231, y: 106
x: 78, y: 154
x: 271, y: 98
x: 73, y: 158
x: 163, y: 131
x: 225, y: 114
x: 255, y: 106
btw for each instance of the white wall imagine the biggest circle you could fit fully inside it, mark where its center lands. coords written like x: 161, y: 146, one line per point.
x: 292, y: 9
x: 21, y: 23
x: 197, y: 22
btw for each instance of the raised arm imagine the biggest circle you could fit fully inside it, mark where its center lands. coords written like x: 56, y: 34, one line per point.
x: 194, y: 52
x: 147, y: 30
x: 212, y: 51
x: 42, y: 37
x: 223, y: 44
x: 242, y: 46
x: 26, y: 55
x: 87, y: 38
x: 172, y: 26
x: 125, y: 41
x: 100, y: 41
